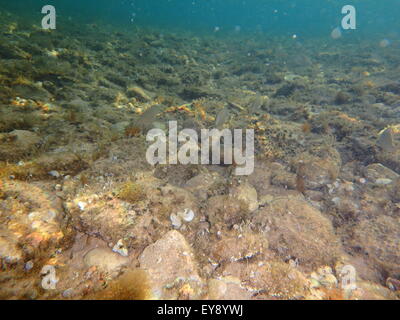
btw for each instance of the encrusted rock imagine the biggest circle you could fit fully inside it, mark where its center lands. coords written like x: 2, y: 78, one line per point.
x: 239, y: 247
x: 170, y: 262
x: 297, y: 230
x: 226, y: 211
x: 204, y: 185
x: 105, y: 260
x: 227, y: 288
x: 380, y: 239
x: 247, y: 194
x: 318, y: 171
x: 377, y: 171
x: 9, y: 251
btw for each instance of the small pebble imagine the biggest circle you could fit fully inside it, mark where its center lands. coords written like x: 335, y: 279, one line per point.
x: 314, y: 283
x: 29, y: 265
x: 68, y: 293
x: 383, y: 181
x: 54, y: 174
x: 329, y: 280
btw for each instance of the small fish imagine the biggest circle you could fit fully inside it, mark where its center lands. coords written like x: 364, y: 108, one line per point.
x: 385, y: 140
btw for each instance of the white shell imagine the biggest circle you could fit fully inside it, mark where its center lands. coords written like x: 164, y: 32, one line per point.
x: 120, y: 248
x: 54, y: 174
x: 82, y: 205
x: 187, y: 215
x: 175, y: 220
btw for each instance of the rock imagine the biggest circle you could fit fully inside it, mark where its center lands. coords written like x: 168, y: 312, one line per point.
x: 273, y: 279
x: 170, y: 263
x: 395, y: 190
x: 62, y: 162
x: 205, y: 185
x: 284, y: 179
x: 328, y: 280
x: 227, y: 288
x: 247, y: 194
x: 105, y: 260
x: 226, y: 211
x: 261, y: 177
x: 318, y: 171
x: 383, y: 181
x: 372, y: 291
x: 117, y: 219
x: 379, y: 237
x: 376, y: 171
x: 17, y: 143
x: 42, y: 229
x: 9, y: 251
x: 390, y: 160
x: 240, y: 247
x: 297, y: 230
x: 32, y: 91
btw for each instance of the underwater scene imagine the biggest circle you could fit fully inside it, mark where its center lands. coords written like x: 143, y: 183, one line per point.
x: 199, y: 150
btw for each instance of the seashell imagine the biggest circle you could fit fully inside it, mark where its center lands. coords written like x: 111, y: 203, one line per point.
x: 82, y: 205
x: 187, y: 215
x: 54, y: 174
x: 175, y: 220
x: 120, y: 248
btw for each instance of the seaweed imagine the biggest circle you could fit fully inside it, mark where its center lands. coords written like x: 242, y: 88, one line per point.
x: 131, y: 192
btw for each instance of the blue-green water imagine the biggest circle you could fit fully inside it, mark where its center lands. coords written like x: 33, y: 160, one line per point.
x: 304, y: 18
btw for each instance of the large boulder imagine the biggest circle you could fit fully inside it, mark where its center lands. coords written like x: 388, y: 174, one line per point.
x: 172, y: 269
x: 296, y: 230
x: 379, y: 238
